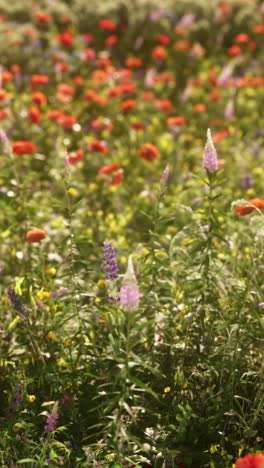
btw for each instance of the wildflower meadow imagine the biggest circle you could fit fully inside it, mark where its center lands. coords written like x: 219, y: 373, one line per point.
x: 132, y: 234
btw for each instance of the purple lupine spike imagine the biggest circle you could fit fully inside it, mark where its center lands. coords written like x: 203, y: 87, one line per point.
x: 16, y: 302
x: 110, y: 261
x: 210, y: 155
x: 129, y: 293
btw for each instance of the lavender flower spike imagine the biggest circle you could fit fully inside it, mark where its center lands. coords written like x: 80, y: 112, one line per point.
x: 165, y: 176
x: 210, y: 155
x: 129, y: 293
x: 16, y: 302
x: 110, y: 261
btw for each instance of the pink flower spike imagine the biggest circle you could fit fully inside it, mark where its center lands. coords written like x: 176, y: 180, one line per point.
x: 210, y: 155
x: 129, y: 293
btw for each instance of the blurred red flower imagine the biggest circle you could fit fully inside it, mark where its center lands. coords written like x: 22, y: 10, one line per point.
x: 35, y: 235
x: 177, y: 120
x: 54, y: 114
x: 75, y: 156
x: 234, y: 50
x: 43, y: 17
x: 98, y: 146
x: 133, y: 62
x: 38, y: 80
x: 149, y: 152
x: 199, y: 107
x: 107, y: 24
x: 243, y: 210
x: 251, y: 461
x: 219, y: 136
x: 3, y: 94
x: 128, y: 104
x: 23, y: 147
x: 182, y: 45
x: 67, y: 121
x: 164, y: 104
x: 118, y: 177
x: 7, y: 76
x: 89, y: 54
x: 111, y: 40
x: 39, y: 98
x: 109, y: 168
x: 65, y: 38
x: 4, y: 113
x: 242, y: 38
x: 159, y: 53
x: 137, y: 126
x: 162, y: 39
x: 34, y: 115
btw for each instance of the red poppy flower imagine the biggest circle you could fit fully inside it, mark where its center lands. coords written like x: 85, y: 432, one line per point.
x: 111, y: 40
x: 98, y: 146
x: 251, y: 461
x: 23, y: 147
x: 258, y: 29
x: 164, y: 104
x: 242, y: 38
x: 39, y: 98
x: 149, y: 152
x: 103, y: 62
x: 39, y: 79
x: 128, y: 104
x: 107, y: 24
x: 219, y: 136
x: 3, y: 95
x: 34, y: 115
x: 67, y: 121
x: 177, y: 120
x: 133, y: 62
x: 78, y: 80
x: 7, y: 76
x: 162, y: 39
x: 167, y: 77
x: 65, y: 19
x: 109, y: 168
x: 89, y: 54
x: 180, y: 31
x: 234, y: 51
x: 147, y: 95
x: 126, y: 88
x: 36, y: 235
x: 118, y: 177
x: 65, y: 38
x: 65, y: 92
x: 15, y: 68
x: 245, y: 209
x: 182, y: 45
x: 159, y: 53
x: 88, y: 38
x: 43, y: 17
x: 252, y: 45
x: 101, y: 125
x: 4, y: 113
x: 215, y: 95
x: 75, y: 156
x: 61, y: 67
x: 54, y: 114
x: 199, y: 107
x: 137, y: 126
